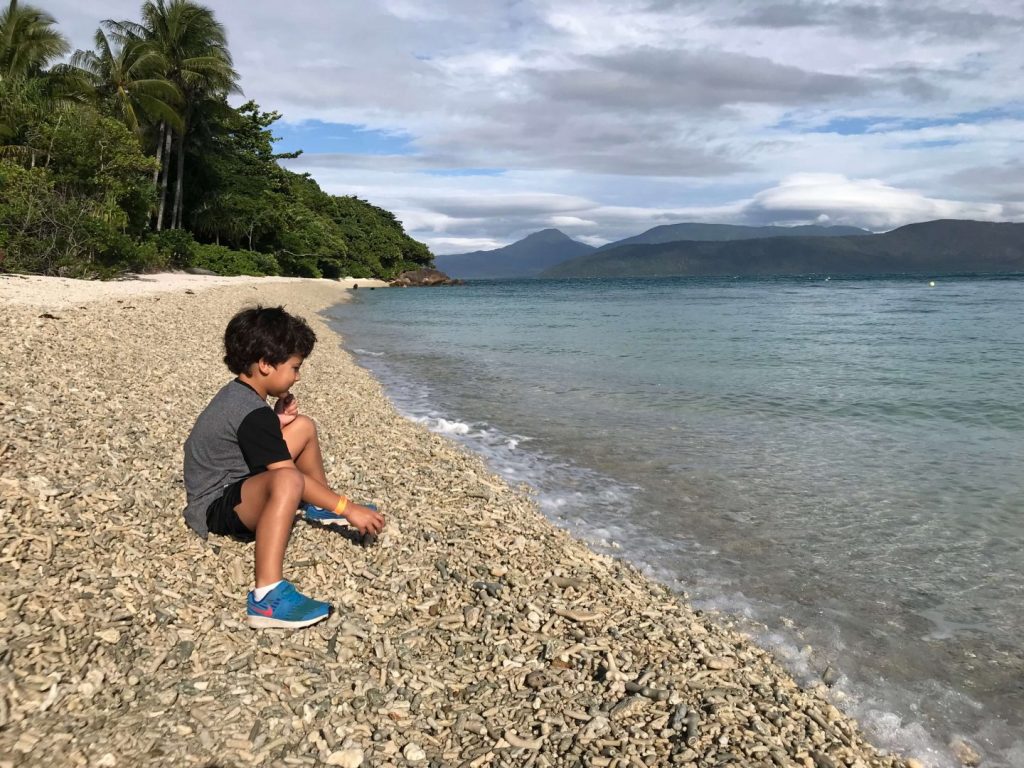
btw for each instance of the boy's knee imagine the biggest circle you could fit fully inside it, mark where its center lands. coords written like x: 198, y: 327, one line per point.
x: 306, y: 424
x: 287, y: 480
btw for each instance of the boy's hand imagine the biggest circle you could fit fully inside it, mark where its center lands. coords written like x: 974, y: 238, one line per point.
x: 286, y: 408
x: 364, y: 520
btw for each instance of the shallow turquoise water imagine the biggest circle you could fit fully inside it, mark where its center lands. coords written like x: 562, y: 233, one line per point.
x: 838, y: 462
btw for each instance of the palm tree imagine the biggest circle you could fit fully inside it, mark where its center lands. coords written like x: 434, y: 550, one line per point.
x: 194, y: 45
x: 28, y: 91
x: 28, y: 41
x: 129, y: 77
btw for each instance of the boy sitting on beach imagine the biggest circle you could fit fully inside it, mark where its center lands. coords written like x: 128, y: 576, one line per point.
x: 249, y: 467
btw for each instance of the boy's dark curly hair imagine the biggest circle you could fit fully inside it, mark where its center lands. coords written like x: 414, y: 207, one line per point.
x: 265, y: 333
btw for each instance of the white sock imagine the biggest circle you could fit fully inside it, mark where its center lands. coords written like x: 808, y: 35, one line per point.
x: 260, y: 592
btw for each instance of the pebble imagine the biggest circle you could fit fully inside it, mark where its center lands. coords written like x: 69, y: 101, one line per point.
x: 413, y: 753
x: 536, y: 680
x: 720, y: 663
x: 346, y: 758
x: 965, y: 753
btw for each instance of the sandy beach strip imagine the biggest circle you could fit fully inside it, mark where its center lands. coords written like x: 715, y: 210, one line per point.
x: 60, y: 292
x: 474, y: 633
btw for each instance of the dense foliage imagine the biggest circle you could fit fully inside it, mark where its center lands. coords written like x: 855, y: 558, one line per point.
x: 129, y: 157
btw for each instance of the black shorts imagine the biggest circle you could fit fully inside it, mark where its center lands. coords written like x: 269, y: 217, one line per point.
x: 221, y: 517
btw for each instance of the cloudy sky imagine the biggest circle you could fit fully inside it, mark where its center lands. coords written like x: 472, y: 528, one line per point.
x: 478, y: 122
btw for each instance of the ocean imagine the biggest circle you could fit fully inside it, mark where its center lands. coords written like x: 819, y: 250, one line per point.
x: 835, y: 464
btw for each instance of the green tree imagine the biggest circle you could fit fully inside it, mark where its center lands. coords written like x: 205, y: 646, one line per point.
x: 99, y: 160
x: 29, y: 92
x: 78, y: 192
x: 83, y: 214
x: 238, y: 181
x: 28, y: 41
x: 199, y: 64
x: 22, y: 105
x: 128, y: 78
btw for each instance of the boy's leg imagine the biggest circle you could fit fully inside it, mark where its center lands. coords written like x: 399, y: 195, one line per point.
x: 304, y: 446
x: 268, y: 505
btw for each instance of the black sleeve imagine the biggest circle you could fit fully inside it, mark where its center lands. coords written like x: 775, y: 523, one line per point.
x: 261, y: 441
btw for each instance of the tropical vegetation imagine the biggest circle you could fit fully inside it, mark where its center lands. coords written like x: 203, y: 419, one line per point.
x: 130, y: 156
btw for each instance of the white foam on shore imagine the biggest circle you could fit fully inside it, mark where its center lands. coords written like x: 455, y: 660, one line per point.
x: 573, y: 497
x: 441, y: 425
x: 876, y: 706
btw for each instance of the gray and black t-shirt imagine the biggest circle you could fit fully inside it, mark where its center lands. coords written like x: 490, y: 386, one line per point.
x: 236, y: 435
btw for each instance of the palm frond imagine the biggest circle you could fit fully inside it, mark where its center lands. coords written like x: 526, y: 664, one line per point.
x: 157, y: 109
x: 28, y: 40
x: 124, y: 31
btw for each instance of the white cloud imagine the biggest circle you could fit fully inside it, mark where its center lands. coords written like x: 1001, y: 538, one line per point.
x: 611, y: 117
x: 571, y: 222
x: 869, y: 203
x: 442, y: 245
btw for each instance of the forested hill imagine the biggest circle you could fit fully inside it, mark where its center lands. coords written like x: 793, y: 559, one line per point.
x: 930, y: 248
x: 668, y: 233
x: 525, y: 258
x: 129, y: 156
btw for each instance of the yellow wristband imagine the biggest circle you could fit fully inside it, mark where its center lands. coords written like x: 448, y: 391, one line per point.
x: 340, y: 509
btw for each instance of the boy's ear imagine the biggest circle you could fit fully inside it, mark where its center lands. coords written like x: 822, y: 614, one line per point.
x: 263, y: 367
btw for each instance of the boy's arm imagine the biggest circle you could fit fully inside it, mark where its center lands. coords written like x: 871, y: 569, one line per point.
x: 288, y: 464
x: 286, y: 408
x: 365, y: 520
x: 361, y: 518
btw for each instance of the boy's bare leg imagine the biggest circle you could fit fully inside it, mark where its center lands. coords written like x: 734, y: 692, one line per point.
x: 304, y: 446
x: 268, y: 507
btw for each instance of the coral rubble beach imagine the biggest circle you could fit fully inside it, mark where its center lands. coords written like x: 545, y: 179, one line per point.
x: 472, y: 633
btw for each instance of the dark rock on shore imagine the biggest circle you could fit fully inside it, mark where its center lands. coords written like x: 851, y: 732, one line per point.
x: 423, y: 277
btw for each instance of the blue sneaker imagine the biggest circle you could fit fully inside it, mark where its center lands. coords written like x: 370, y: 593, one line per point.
x: 314, y: 514
x: 284, y: 606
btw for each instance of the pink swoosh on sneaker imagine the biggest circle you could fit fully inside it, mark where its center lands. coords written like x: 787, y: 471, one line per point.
x: 263, y: 611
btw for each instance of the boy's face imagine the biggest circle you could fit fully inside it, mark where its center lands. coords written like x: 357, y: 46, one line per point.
x: 283, y: 376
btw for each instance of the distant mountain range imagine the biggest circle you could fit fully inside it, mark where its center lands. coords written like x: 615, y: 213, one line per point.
x: 525, y: 258
x: 548, y: 248
x: 930, y: 248
x: 670, y: 233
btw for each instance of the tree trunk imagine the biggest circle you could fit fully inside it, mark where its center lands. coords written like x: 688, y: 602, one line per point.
x: 159, y: 153
x: 179, y: 183
x: 163, y: 182
x: 49, y: 152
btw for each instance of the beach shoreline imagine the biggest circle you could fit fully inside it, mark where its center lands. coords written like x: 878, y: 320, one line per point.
x: 475, y: 632
x: 62, y: 292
